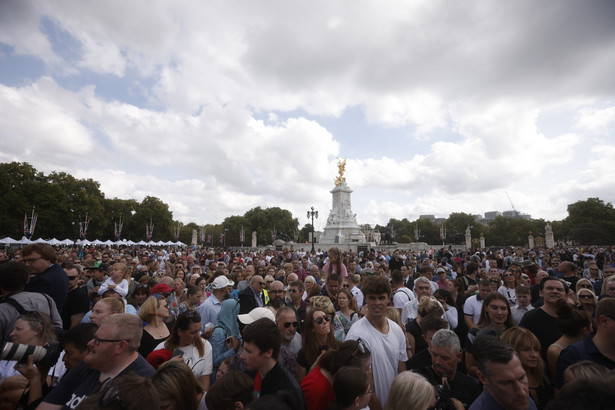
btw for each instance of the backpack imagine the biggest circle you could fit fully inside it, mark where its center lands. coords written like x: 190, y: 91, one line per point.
x: 21, y: 310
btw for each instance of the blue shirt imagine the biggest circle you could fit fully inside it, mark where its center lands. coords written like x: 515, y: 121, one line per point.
x: 586, y: 349
x: 209, y: 311
x: 485, y: 401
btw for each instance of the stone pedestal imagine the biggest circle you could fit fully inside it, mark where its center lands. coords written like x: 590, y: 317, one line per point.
x: 342, y: 227
x: 550, y: 241
x: 468, y: 239
x: 482, y: 241
x: 254, y: 239
x: 193, y: 241
x: 530, y: 241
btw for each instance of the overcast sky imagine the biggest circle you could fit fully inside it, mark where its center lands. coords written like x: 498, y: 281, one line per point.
x: 217, y: 107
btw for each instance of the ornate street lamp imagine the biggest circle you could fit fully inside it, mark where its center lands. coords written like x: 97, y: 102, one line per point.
x: 311, y: 214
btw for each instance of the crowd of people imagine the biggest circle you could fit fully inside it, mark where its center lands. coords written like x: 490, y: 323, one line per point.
x: 138, y: 328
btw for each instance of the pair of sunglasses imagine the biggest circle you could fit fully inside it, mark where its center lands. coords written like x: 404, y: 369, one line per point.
x: 321, y: 319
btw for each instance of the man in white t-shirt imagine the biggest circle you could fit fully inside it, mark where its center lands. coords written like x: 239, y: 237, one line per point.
x: 353, y: 281
x: 422, y: 287
x: 384, y: 338
x: 474, y: 304
x: 401, y: 294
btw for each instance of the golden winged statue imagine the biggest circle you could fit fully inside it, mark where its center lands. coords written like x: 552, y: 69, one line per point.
x: 341, y: 166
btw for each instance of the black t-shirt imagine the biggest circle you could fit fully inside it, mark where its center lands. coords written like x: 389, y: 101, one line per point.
x: 415, y: 330
x: 462, y: 388
x: 82, y: 381
x: 419, y: 360
x: 148, y: 343
x: 278, y: 379
x: 544, y: 327
x: 77, y: 301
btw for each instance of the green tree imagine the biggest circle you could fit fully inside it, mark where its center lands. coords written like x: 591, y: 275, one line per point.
x: 124, y: 210
x: 152, y: 209
x: 505, y: 231
x: 19, y: 184
x: 590, y: 222
x: 264, y: 221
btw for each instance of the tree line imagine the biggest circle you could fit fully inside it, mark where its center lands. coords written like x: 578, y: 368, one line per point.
x: 62, y: 203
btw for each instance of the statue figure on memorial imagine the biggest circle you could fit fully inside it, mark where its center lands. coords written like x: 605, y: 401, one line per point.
x: 341, y: 166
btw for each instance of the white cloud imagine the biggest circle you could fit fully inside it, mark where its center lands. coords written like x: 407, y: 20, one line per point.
x: 470, y: 84
x: 598, y: 120
x: 38, y: 125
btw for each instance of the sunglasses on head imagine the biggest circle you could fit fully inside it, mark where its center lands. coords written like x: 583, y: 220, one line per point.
x: 322, y: 319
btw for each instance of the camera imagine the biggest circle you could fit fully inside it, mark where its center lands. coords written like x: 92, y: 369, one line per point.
x: 46, y: 356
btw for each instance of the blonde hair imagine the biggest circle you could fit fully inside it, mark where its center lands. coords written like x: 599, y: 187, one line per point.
x: 149, y: 309
x: 124, y: 269
x: 127, y: 326
x: 116, y: 305
x: 409, y: 387
x: 322, y: 303
x: 520, y: 338
x: 429, y: 306
x: 605, y: 284
x: 393, y: 314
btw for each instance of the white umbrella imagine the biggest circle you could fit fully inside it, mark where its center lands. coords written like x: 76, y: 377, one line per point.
x: 129, y: 242
x: 67, y: 242
x: 40, y: 240
x: 97, y: 242
x: 141, y: 242
x: 8, y: 240
x: 54, y: 241
x: 108, y: 242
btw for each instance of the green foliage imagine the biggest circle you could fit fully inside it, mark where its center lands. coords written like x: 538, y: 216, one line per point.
x: 63, y: 201
x: 590, y: 222
x: 513, y: 231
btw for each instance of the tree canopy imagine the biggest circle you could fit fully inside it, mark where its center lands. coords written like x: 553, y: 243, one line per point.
x: 62, y: 202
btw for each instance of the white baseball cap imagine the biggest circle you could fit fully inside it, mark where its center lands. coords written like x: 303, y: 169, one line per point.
x: 255, y: 314
x: 221, y: 282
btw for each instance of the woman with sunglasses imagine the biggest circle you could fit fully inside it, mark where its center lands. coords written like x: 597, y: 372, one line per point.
x: 153, y: 313
x: 317, y: 386
x: 186, y: 341
x: 508, y: 288
x: 226, y: 338
x: 587, y: 301
x: 317, y: 338
x: 35, y: 329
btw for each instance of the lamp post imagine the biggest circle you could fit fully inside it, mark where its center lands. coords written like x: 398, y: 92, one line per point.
x: 225, y: 233
x: 311, y: 214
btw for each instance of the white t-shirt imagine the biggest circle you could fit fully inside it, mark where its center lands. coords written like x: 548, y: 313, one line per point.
x: 387, y: 351
x: 358, y: 295
x: 409, y: 310
x: 472, y: 307
x: 402, y: 296
x: 200, y: 365
x: 509, y: 294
